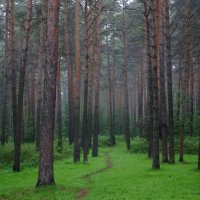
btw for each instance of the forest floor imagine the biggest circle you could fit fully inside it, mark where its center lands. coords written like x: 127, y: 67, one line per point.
x: 115, y: 175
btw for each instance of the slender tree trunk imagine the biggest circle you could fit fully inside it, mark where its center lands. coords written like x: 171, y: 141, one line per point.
x: 163, y: 106
x: 84, y: 137
x: 125, y: 73
x: 91, y: 91
x: 141, y: 93
x: 190, y: 66
x: 18, y: 136
x: 13, y: 69
x: 112, y: 138
x: 156, y: 160
x: 150, y: 93
x: 58, y: 102
x: 169, y: 85
x: 5, y: 77
x: 46, y: 171
x: 40, y: 75
x: 70, y: 79
x: 97, y: 91
x: 77, y: 83
x: 31, y: 103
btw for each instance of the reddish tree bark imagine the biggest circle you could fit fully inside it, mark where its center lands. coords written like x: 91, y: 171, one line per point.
x: 40, y: 75
x: 46, y: 171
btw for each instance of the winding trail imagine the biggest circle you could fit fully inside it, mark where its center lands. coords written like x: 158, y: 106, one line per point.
x: 83, y: 193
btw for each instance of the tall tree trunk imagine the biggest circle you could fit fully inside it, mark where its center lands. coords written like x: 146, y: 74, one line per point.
x: 141, y: 93
x: 13, y: 69
x: 18, y: 136
x: 149, y: 77
x: 163, y: 106
x: 125, y: 73
x: 190, y: 66
x: 46, y: 172
x: 91, y: 89
x: 40, y: 75
x: 84, y: 136
x: 5, y: 77
x: 97, y: 90
x: 169, y: 85
x: 77, y: 81
x: 156, y: 160
x: 70, y: 79
x: 112, y: 138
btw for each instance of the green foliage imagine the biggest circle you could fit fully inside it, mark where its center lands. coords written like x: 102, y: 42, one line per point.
x: 139, y: 145
x: 191, y: 145
x: 29, y: 156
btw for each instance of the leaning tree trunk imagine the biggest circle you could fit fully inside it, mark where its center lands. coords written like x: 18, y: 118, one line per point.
x: 46, y: 172
x: 18, y: 134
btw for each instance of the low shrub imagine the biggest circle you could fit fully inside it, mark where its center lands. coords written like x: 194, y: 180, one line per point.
x: 139, y: 145
x: 29, y: 155
x: 191, y: 144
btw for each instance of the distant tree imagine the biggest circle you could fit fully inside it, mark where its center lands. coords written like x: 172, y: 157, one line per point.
x: 5, y: 77
x: 97, y: 89
x: 77, y: 81
x: 23, y: 61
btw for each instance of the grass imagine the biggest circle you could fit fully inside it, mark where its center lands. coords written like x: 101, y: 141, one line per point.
x: 130, y: 177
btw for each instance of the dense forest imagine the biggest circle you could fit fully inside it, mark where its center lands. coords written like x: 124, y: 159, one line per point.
x: 86, y: 79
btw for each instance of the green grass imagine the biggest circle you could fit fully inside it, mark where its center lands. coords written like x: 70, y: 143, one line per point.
x: 130, y: 177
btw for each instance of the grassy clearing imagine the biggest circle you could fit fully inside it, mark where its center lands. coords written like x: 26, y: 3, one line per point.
x: 129, y: 177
